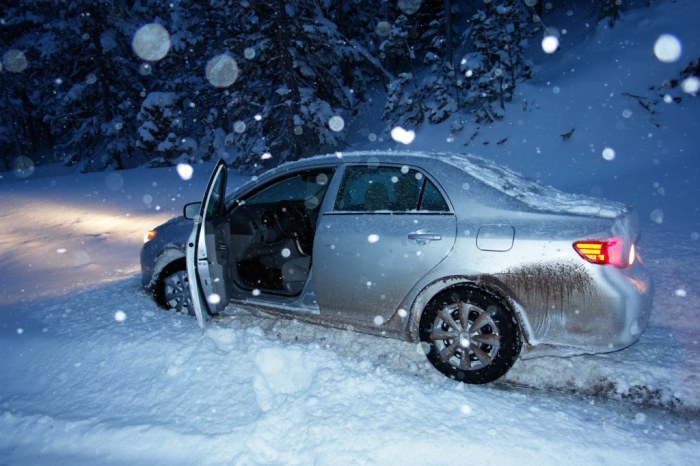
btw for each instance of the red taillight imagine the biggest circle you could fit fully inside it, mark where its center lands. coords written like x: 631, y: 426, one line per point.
x: 605, y: 252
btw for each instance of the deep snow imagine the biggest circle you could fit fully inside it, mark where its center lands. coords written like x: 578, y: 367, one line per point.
x: 92, y: 371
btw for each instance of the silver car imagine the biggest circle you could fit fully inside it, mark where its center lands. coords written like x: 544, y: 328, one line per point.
x: 471, y: 259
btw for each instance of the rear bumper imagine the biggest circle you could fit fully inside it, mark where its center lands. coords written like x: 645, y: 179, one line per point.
x: 609, y: 313
x: 632, y: 292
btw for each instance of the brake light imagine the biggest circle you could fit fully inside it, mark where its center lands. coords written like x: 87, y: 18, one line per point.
x: 605, y: 252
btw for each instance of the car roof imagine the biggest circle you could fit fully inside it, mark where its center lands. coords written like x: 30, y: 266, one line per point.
x: 504, y: 180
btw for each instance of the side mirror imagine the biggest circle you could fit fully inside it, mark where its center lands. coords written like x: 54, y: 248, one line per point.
x: 191, y: 210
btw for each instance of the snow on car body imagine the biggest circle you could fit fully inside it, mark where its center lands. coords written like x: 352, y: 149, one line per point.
x: 470, y: 258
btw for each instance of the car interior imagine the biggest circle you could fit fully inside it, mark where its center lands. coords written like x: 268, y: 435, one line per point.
x: 272, y: 234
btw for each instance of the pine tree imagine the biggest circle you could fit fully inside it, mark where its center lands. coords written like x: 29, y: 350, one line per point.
x: 22, y: 86
x: 497, y: 61
x: 160, y: 129
x: 302, y: 72
x: 612, y: 10
x: 94, y: 98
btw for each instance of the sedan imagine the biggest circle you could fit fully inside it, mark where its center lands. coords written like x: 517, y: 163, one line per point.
x: 475, y: 262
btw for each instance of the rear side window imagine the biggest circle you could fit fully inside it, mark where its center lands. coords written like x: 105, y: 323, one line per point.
x: 388, y: 189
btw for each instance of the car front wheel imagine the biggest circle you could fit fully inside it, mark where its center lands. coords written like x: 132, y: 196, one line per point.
x: 173, y: 290
x: 469, y: 334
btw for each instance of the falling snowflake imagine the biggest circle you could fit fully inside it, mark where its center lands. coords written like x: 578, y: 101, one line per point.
x: 657, y: 216
x: 14, y: 61
x: 336, y: 123
x: 383, y: 28
x: 151, y: 42
x: 550, y: 44
x: 667, y: 48
x: 185, y: 171
x: 691, y: 85
x: 609, y: 154
x: 239, y: 127
x: 222, y: 70
x: 403, y: 136
x: 409, y: 6
x: 23, y: 166
x: 145, y: 69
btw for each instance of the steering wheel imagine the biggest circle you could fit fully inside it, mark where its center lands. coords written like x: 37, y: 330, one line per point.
x: 294, y: 223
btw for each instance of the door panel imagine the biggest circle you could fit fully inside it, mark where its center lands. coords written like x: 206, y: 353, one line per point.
x: 388, y: 227
x: 364, y: 265
x: 207, y: 250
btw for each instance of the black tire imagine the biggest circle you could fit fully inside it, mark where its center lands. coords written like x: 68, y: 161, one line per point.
x: 172, y: 291
x: 478, y: 351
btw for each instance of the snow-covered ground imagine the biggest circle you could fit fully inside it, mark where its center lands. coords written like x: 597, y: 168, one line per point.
x: 93, y: 372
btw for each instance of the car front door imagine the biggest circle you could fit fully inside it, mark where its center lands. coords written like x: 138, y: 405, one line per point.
x: 388, y: 227
x: 207, y: 250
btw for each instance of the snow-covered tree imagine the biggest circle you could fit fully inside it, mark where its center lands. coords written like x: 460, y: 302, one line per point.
x: 611, y: 9
x: 493, y: 61
x: 302, y: 71
x: 302, y: 79
x: 496, y: 60
x: 160, y: 128
x: 403, y: 105
x: 95, y: 93
x: 22, y: 132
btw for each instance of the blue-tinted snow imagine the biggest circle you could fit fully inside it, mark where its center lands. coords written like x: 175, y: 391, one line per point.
x: 92, y: 372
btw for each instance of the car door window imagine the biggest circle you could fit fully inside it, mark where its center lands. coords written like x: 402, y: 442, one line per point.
x: 432, y: 199
x: 307, y: 188
x: 389, y: 189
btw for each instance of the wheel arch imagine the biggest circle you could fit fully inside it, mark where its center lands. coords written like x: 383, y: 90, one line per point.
x: 158, y: 290
x: 170, y: 255
x: 487, y: 283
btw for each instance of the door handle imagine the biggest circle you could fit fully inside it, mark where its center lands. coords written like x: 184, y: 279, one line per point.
x: 424, y: 236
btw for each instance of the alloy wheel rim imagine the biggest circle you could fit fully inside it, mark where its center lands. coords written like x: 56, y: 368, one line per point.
x: 177, y: 292
x: 465, y: 336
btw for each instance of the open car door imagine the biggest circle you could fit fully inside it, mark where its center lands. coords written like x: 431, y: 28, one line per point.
x: 208, y: 250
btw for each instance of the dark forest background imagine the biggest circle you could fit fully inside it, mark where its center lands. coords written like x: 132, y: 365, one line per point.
x: 256, y: 82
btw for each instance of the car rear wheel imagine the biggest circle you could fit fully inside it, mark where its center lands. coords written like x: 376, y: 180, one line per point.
x: 173, y: 290
x: 469, y: 334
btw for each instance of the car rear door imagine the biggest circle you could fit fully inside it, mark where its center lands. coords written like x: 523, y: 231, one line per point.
x: 388, y: 227
x: 207, y: 250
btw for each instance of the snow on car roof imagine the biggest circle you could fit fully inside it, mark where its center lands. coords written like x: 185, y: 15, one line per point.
x: 532, y: 193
